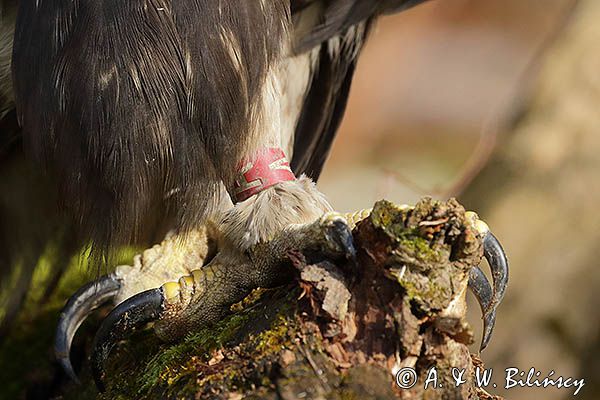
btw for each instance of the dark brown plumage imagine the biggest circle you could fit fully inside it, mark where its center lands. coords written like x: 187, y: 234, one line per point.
x: 141, y: 108
x: 137, y: 108
x: 133, y: 103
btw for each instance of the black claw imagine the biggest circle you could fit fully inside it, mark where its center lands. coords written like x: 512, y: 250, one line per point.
x: 88, y: 298
x: 489, y: 299
x: 128, y: 316
x: 342, y: 237
x: 342, y: 243
x: 494, y: 254
x: 480, y: 286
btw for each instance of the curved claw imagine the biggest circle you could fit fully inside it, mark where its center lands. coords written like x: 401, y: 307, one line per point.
x: 494, y: 254
x: 489, y: 299
x: 128, y: 316
x: 341, y: 238
x: 480, y: 286
x: 88, y: 298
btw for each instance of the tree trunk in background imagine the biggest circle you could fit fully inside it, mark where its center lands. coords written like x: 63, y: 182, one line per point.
x: 541, y: 195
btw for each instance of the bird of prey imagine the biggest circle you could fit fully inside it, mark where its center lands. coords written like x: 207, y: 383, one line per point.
x: 191, y: 119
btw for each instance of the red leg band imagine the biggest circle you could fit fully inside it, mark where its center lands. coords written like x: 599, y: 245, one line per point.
x: 264, y: 169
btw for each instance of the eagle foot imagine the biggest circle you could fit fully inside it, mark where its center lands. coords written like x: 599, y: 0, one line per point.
x: 195, y: 288
x: 203, y: 294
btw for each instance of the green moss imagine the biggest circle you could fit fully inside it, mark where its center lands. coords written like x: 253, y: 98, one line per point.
x: 391, y: 219
x: 395, y: 222
x: 169, y: 365
x: 418, y: 253
x: 419, y: 248
x: 272, y: 341
x: 426, y: 293
x: 225, y: 356
x: 252, y: 298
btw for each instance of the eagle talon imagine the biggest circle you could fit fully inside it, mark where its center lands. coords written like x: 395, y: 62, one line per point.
x: 480, y: 286
x: 338, y: 237
x: 340, y: 244
x: 87, y: 299
x: 489, y: 297
x: 134, y: 313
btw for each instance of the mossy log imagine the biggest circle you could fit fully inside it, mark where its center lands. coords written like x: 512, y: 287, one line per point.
x: 335, y: 331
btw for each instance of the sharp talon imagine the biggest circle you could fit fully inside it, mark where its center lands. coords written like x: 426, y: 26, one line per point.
x: 489, y: 299
x: 341, y: 238
x: 348, y: 244
x: 480, y: 286
x: 494, y: 254
x: 88, y: 298
x: 128, y: 316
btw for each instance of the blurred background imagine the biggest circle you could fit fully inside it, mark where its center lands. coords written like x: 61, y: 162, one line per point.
x: 496, y: 103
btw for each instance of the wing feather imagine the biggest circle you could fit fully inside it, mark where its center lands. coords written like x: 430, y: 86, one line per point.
x: 324, y: 106
x: 339, y: 33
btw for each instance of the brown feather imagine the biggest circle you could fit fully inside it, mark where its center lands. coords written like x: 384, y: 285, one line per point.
x: 138, y: 103
x: 340, y: 32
